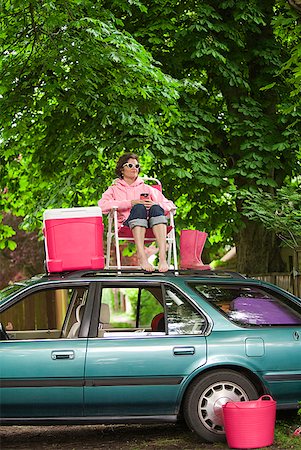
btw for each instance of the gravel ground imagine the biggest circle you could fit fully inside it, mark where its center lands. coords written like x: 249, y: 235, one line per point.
x: 115, y: 437
x: 120, y: 437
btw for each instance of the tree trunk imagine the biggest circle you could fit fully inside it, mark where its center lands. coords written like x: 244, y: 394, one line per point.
x: 258, y: 250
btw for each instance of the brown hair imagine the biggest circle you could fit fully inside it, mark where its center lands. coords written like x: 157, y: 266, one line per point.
x: 124, y: 159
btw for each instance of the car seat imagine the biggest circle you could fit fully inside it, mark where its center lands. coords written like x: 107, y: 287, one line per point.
x: 158, y: 322
x: 104, y: 319
x: 79, y: 312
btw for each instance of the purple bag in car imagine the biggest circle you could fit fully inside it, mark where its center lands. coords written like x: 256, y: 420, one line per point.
x: 262, y: 311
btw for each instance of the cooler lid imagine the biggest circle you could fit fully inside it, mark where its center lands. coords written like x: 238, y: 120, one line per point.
x: 71, y: 213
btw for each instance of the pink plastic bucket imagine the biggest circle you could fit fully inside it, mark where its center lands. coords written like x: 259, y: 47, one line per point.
x: 250, y: 424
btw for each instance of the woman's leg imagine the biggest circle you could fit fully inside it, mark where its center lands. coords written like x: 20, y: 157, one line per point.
x: 158, y: 223
x: 139, y: 235
x: 159, y: 231
x: 138, y: 223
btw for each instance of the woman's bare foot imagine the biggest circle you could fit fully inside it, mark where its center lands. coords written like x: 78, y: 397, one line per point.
x: 145, y: 265
x: 163, y: 266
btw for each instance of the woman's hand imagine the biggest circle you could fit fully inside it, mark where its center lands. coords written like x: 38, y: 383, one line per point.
x: 148, y: 203
x: 135, y: 202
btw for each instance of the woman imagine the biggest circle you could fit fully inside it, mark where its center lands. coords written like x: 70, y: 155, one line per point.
x: 139, y: 207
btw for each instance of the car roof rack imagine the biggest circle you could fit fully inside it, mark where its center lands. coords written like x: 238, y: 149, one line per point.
x: 214, y: 273
x: 134, y: 272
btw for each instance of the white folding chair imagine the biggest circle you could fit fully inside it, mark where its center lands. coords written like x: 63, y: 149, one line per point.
x: 124, y: 233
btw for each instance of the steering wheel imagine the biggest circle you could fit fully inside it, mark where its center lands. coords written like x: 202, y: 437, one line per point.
x: 3, y: 334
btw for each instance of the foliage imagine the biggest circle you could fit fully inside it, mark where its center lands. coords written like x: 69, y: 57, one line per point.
x: 288, y: 28
x: 149, y: 306
x: 280, y: 212
x: 6, y: 232
x: 206, y: 92
x: 235, y: 130
x: 76, y: 90
x: 28, y: 260
x: 284, y: 429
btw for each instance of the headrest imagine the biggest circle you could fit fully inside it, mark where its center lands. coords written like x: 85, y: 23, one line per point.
x: 104, y: 316
x: 79, y: 312
x: 158, y: 323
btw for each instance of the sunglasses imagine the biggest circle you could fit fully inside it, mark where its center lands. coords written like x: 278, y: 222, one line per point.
x: 130, y: 165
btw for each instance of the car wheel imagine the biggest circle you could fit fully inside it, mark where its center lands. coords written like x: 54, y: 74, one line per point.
x: 203, y: 401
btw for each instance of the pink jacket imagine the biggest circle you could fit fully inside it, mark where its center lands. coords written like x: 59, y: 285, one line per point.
x: 120, y: 194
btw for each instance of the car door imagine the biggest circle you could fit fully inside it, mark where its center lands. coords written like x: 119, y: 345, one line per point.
x: 268, y: 321
x: 136, y: 369
x: 42, y: 365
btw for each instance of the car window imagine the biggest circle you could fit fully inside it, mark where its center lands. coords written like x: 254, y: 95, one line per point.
x: 44, y: 314
x: 251, y: 306
x: 126, y: 310
x: 182, y: 318
x: 140, y: 311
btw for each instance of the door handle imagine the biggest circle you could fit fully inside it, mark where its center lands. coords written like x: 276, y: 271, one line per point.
x: 183, y: 351
x: 64, y: 354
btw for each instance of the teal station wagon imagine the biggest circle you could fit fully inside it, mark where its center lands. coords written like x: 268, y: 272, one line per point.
x: 191, y: 342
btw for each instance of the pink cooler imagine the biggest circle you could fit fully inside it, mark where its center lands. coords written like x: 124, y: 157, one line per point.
x: 73, y: 239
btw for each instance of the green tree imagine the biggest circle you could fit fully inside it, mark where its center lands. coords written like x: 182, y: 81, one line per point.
x: 76, y: 90
x: 238, y: 130
x: 280, y: 213
x: 203, y: 90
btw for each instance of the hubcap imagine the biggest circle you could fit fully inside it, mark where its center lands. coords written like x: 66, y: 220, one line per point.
x: 211, y: 402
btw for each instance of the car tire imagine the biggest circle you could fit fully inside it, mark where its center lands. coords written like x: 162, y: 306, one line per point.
x: 202, y: 407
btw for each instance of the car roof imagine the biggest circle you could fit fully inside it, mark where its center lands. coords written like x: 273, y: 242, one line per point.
x: 172, y: 276
x: 130, y: 273
x: 123, y: 275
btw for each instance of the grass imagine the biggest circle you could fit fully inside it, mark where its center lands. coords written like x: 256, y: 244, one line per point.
x: 179, y: 437
x: 284, y: 429
x: 131, y: 437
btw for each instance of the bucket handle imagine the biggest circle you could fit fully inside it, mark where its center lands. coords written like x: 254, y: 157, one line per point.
x: 266, y: 397
x: 241, y: 404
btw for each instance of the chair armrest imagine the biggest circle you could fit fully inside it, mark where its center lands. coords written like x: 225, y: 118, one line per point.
x: 172, y: 212
x: 112, y: 211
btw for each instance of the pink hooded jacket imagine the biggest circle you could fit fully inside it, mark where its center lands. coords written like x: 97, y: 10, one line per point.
x: 120, y: 194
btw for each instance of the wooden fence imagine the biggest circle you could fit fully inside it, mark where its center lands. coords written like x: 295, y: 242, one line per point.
x: 286, y: 281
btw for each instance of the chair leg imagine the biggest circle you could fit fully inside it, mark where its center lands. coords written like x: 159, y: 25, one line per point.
x: 173, y: 242
x: 118, y: 259
x: 169, y: 252
x: 117, y: 247
x: 109, y: 243
x: 174, y: 246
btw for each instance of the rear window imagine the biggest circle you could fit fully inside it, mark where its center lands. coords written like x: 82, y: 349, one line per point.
x: 251, y: 306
